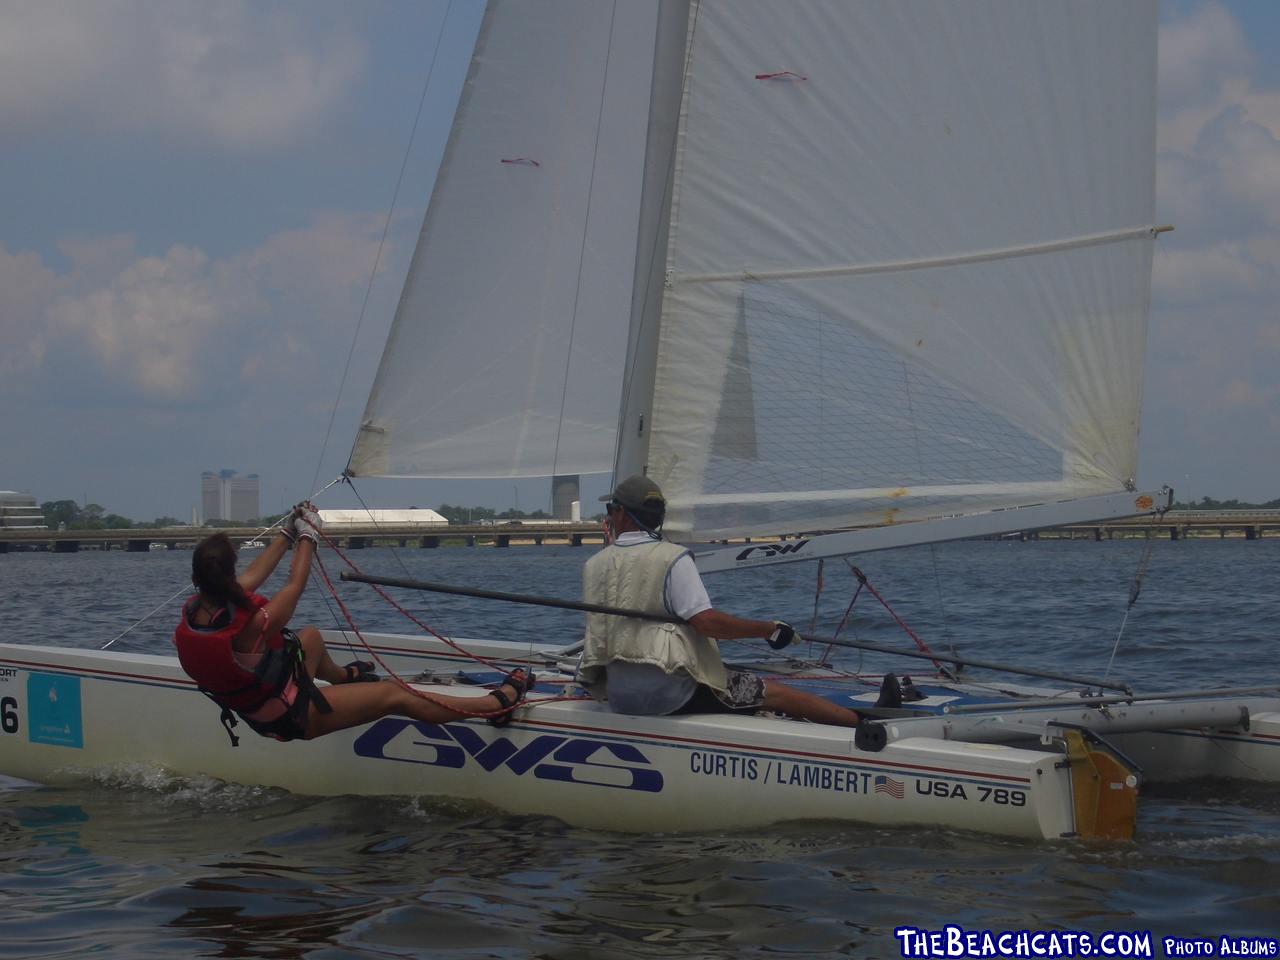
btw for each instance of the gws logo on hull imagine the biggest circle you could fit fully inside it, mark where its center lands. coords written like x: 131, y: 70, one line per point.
x: 551, y: 757
x: 767, y: 551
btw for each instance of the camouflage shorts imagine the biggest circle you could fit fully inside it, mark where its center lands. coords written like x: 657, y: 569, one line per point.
x: 744, y: 693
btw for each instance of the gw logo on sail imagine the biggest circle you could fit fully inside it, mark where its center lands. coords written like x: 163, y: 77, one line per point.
x: 765, y: 551
x: 550, y: 757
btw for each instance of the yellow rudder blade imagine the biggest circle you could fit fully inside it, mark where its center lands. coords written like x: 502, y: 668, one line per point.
x: 1104, y: 789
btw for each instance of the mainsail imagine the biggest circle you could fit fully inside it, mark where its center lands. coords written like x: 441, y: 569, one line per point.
x: 867, y: 263
x: 506, y: 354
x: 908, y: 262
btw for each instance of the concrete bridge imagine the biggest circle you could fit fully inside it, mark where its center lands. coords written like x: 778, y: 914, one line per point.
x: 1175, y: 525
x: 348, y: 536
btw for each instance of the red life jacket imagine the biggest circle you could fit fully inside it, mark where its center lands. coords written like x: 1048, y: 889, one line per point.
x: 207, y: 656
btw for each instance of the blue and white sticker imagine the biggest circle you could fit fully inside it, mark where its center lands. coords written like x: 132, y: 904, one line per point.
x: 53, y: 710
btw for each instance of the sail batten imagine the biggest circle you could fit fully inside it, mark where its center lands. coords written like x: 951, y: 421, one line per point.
x: 977, y: 256
x: 1019, y: 490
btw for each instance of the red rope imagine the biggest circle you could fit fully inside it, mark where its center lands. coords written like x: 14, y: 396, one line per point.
x: 843, y: 620
x: 923, y: 647
x: 346, y: 613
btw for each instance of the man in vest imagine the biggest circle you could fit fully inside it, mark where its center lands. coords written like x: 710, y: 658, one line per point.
x: 652, y: 669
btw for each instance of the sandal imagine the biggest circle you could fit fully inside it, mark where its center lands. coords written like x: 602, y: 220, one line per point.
x: 522, y: 683
x: 360, y: 671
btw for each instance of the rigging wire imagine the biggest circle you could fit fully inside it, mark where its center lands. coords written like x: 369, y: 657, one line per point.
x: 392, y: 675
x: 373, y: 519
x: 817, y: 596
x: 1143, y: 561
x: 186, y: 586
x: 377, y: 259
x: 399, y: 559
x: 920, y: 644
x: 933, y: 552
x: 1135, y: 588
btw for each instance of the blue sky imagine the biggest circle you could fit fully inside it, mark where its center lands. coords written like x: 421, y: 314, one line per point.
x: 194, y: 194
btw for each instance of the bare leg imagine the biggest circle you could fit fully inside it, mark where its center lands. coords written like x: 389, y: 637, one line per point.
x: 807, y: 706
x: 359, y: 703
x: 318, y: 662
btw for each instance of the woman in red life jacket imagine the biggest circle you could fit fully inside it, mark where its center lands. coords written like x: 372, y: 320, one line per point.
x: 235, y: 644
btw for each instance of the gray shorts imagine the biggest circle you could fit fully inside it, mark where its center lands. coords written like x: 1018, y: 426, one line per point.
x: 744, y: 693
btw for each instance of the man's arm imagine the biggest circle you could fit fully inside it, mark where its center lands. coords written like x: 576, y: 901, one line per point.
x: 686, y: 593
x: 725, y: 626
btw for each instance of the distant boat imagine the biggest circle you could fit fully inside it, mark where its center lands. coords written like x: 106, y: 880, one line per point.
x: 253, y: 545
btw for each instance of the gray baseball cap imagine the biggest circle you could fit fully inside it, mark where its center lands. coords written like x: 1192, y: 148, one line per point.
x: 638, y: 493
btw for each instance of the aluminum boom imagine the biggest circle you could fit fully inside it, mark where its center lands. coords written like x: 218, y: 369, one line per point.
x: 1031, y: 517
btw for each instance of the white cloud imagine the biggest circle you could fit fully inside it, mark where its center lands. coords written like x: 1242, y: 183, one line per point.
x: 26, y: 285
x: 1218, y: 176
x: 1190, y: 275
x: 1206, y: 68
x: 150, y: 325
x: 240, y: 76
x: 1199, y: 53
x: 1246, y: 160
x: 1212, y: 392
x: 162, y: 328
x: 336, y: 248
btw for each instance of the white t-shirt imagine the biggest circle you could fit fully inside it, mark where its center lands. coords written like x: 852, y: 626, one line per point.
x: 685, y: 596
x: 642, y: 688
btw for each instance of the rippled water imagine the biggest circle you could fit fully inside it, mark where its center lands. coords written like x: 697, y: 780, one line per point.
x: 142, y: 864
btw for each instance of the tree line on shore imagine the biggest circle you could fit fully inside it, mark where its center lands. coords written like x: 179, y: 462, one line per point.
x: 69, y: 515
x: 1208, y: 503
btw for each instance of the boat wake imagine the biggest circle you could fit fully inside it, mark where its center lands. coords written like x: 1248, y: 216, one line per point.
x: 207, y: 793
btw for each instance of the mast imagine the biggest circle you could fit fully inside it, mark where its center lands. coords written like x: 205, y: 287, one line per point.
x: 670, y: 53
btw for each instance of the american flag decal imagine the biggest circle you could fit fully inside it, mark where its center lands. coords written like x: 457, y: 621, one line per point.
x: 890, y: 786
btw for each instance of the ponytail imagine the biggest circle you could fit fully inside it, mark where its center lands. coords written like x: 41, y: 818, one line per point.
x: 213, y: 571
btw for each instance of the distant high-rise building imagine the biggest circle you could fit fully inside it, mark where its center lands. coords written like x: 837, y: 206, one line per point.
x: 226, y: 495
x: 242, y: 497
x: 210, y: 498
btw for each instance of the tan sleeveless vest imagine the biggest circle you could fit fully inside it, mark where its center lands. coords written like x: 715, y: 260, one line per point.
x: 635, y: 577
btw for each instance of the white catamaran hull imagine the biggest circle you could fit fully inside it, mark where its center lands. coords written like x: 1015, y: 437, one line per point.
x: 68, y: 713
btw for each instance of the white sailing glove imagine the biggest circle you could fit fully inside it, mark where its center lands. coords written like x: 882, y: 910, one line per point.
x: 308, y: 524
x: 783, y: 634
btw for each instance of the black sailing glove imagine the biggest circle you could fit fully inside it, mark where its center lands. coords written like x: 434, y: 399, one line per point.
x: 783, y: 634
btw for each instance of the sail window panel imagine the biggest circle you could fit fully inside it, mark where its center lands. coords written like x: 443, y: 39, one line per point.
x: 506, y: 355
x: 842, y: 401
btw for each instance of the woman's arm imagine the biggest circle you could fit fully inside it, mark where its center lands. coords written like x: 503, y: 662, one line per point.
x: 285, y: 600
x: 256, y: 573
